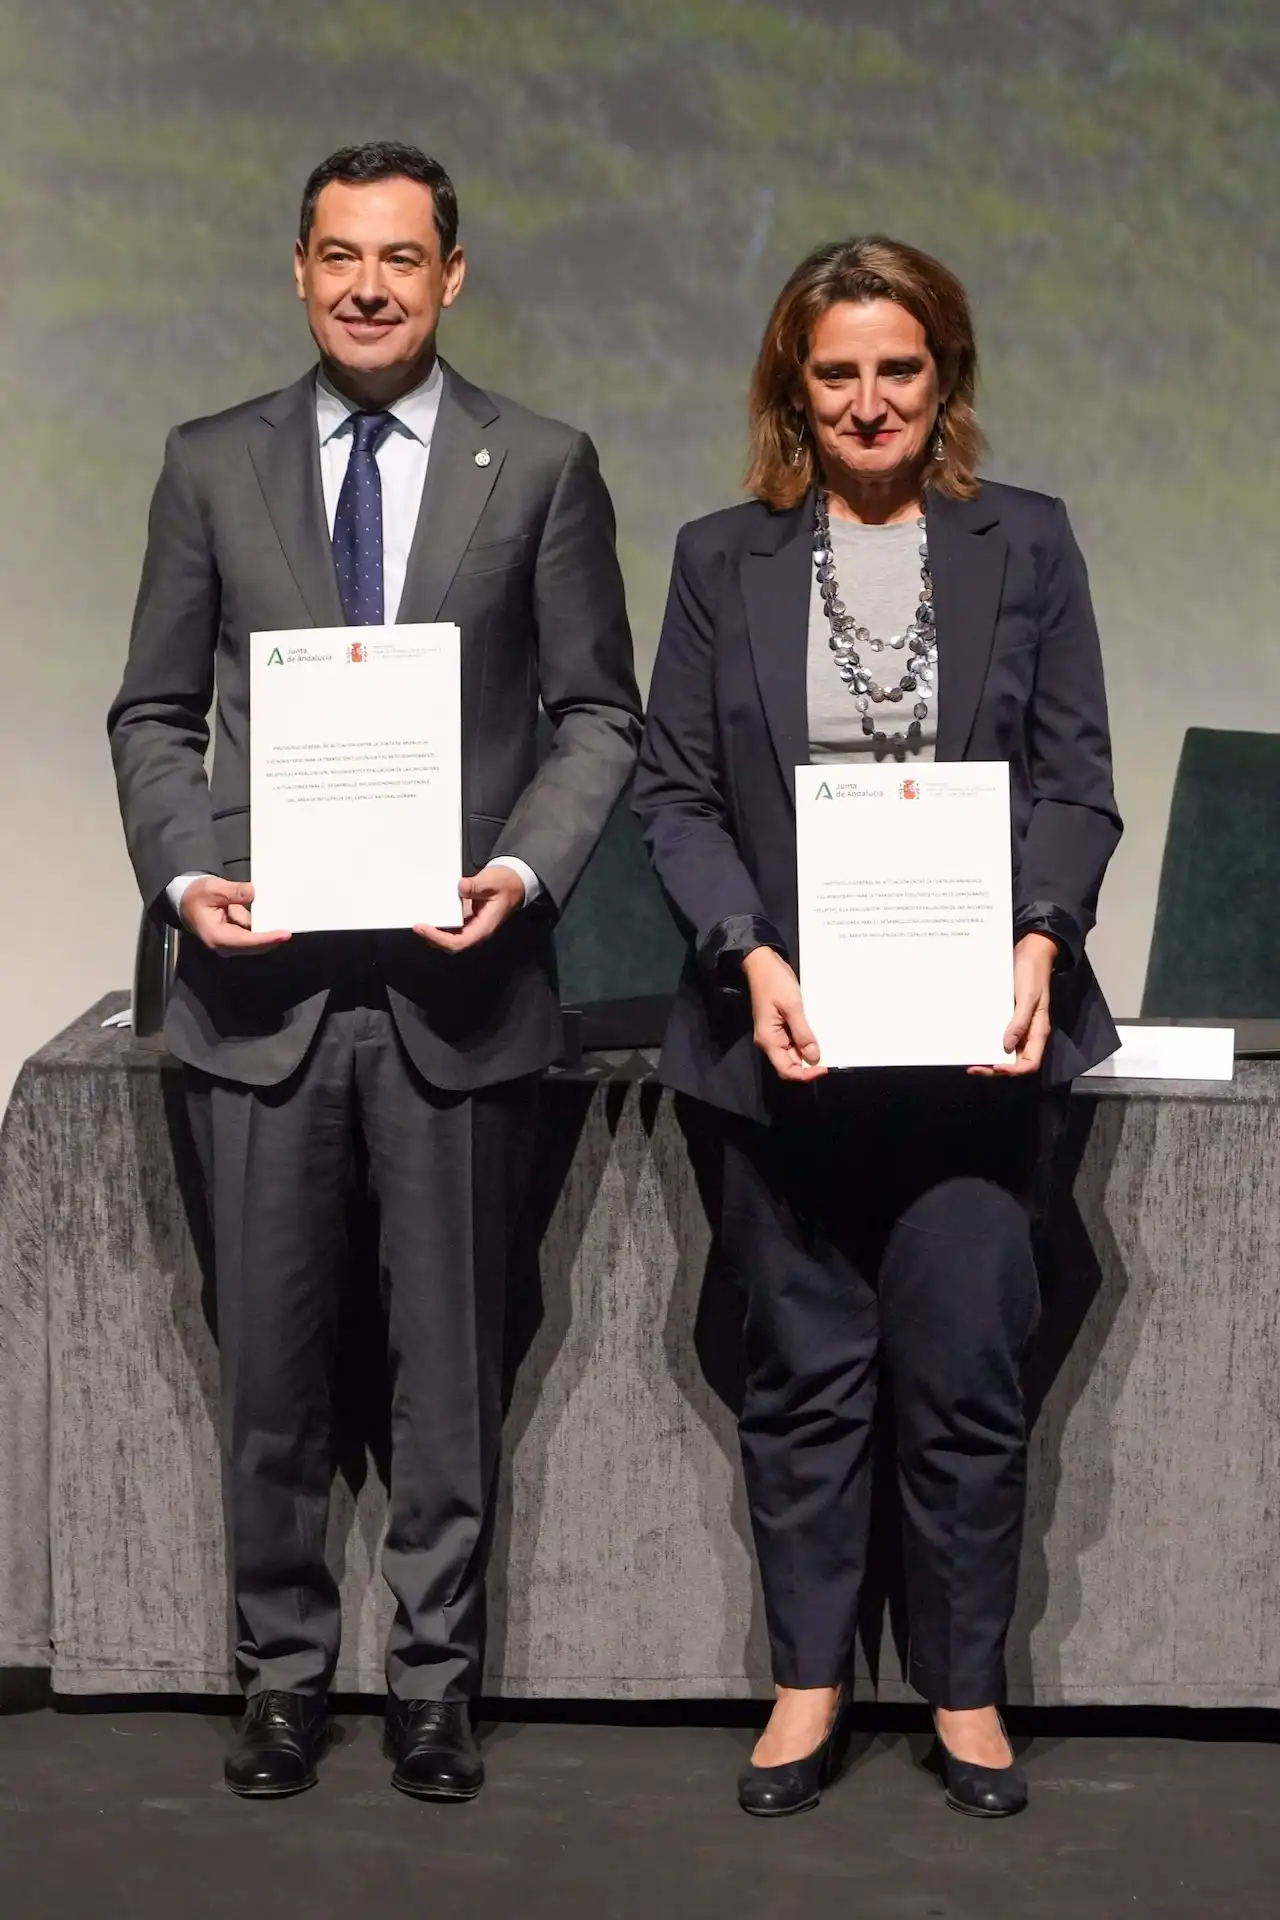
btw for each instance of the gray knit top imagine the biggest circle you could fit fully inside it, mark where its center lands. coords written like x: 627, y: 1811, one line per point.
x: 878, y: 569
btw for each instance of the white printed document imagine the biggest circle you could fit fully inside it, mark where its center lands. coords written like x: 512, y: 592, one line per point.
x: 355, y: 778
x: 1170, y: 1053
x: 906, y: 913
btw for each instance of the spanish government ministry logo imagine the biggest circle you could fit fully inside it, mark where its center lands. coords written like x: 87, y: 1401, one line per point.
x: 356, y: 653
x: 910, y: 789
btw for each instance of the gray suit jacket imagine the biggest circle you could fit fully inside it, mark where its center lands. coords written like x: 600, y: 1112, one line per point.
x: 519, y: 552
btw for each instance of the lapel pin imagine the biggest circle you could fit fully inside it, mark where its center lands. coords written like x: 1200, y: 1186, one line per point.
x: 483, y: 457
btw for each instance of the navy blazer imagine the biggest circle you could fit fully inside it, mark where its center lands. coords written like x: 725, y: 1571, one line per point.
x: 1019, y: 680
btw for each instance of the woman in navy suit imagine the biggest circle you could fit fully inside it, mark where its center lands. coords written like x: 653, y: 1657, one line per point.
x: 876, y: 600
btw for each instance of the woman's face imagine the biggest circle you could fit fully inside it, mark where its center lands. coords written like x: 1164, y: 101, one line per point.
x: 871, y: 392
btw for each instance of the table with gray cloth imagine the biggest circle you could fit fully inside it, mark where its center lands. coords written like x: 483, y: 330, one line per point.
x: 622, y: 1566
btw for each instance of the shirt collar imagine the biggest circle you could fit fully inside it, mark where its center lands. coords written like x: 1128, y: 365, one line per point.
x: 414, y: 412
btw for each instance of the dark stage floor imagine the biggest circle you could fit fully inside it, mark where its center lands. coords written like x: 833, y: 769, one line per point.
x: 120, y: 1814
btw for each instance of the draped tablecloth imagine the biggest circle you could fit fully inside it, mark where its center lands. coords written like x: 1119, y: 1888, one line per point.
x: 622, y: 1567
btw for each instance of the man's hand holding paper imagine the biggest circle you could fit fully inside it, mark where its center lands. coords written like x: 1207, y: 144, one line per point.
x: 488, y: 898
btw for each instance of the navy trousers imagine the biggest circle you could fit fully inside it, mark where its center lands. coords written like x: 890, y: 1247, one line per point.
x: 885, y: 1220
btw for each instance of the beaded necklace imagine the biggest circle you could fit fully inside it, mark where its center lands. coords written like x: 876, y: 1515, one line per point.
x: 920, y: 637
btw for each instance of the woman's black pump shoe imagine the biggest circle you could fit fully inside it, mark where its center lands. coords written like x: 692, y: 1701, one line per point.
x: 989, y: 1793
x: 769, y: 1792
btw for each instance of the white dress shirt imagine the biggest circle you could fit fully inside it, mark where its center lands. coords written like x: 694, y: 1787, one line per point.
x: 402, y: 457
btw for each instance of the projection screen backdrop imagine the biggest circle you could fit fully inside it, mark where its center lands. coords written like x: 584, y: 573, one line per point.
x: 636, y: 179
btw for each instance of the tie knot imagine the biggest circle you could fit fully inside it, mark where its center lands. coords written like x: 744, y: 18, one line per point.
x: 367, y: 430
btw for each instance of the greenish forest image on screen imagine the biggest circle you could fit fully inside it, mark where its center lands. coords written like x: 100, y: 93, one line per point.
x: 636, y: 179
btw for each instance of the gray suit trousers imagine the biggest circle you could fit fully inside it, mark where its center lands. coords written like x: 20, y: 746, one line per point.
x: 448, y: 1172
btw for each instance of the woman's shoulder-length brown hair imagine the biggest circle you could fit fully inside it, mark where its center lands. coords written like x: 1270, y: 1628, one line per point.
x: 781, y: 469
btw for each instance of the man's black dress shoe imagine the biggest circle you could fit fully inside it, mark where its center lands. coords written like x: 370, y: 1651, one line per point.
x: 990, y: 1793
x: 434, y: 1749
x: 769, y: 1792
x: 281, y: 1737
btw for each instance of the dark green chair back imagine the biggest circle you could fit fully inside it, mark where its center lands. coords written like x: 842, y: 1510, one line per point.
x: 1215, y: 951
x: 616, y: 939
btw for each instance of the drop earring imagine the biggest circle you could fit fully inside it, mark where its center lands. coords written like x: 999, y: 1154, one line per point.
x: 798, y: 455
x: 940, y: 432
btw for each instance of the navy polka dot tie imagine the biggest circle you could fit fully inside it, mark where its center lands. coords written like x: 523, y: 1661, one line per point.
x: 357, y: 525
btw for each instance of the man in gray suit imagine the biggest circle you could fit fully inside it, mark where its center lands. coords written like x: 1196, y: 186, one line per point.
x: 381, y: 486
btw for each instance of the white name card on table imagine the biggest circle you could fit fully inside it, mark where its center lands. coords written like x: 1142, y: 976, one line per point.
x: 355, y: 778
x: 906, y: 958
x: 1170, y: 1053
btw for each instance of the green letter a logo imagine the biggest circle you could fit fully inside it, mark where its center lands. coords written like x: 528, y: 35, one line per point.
x: 275, y: 658
x: 823, y: 793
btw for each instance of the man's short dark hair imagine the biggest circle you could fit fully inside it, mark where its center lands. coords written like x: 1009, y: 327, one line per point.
x: 384, y: 160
